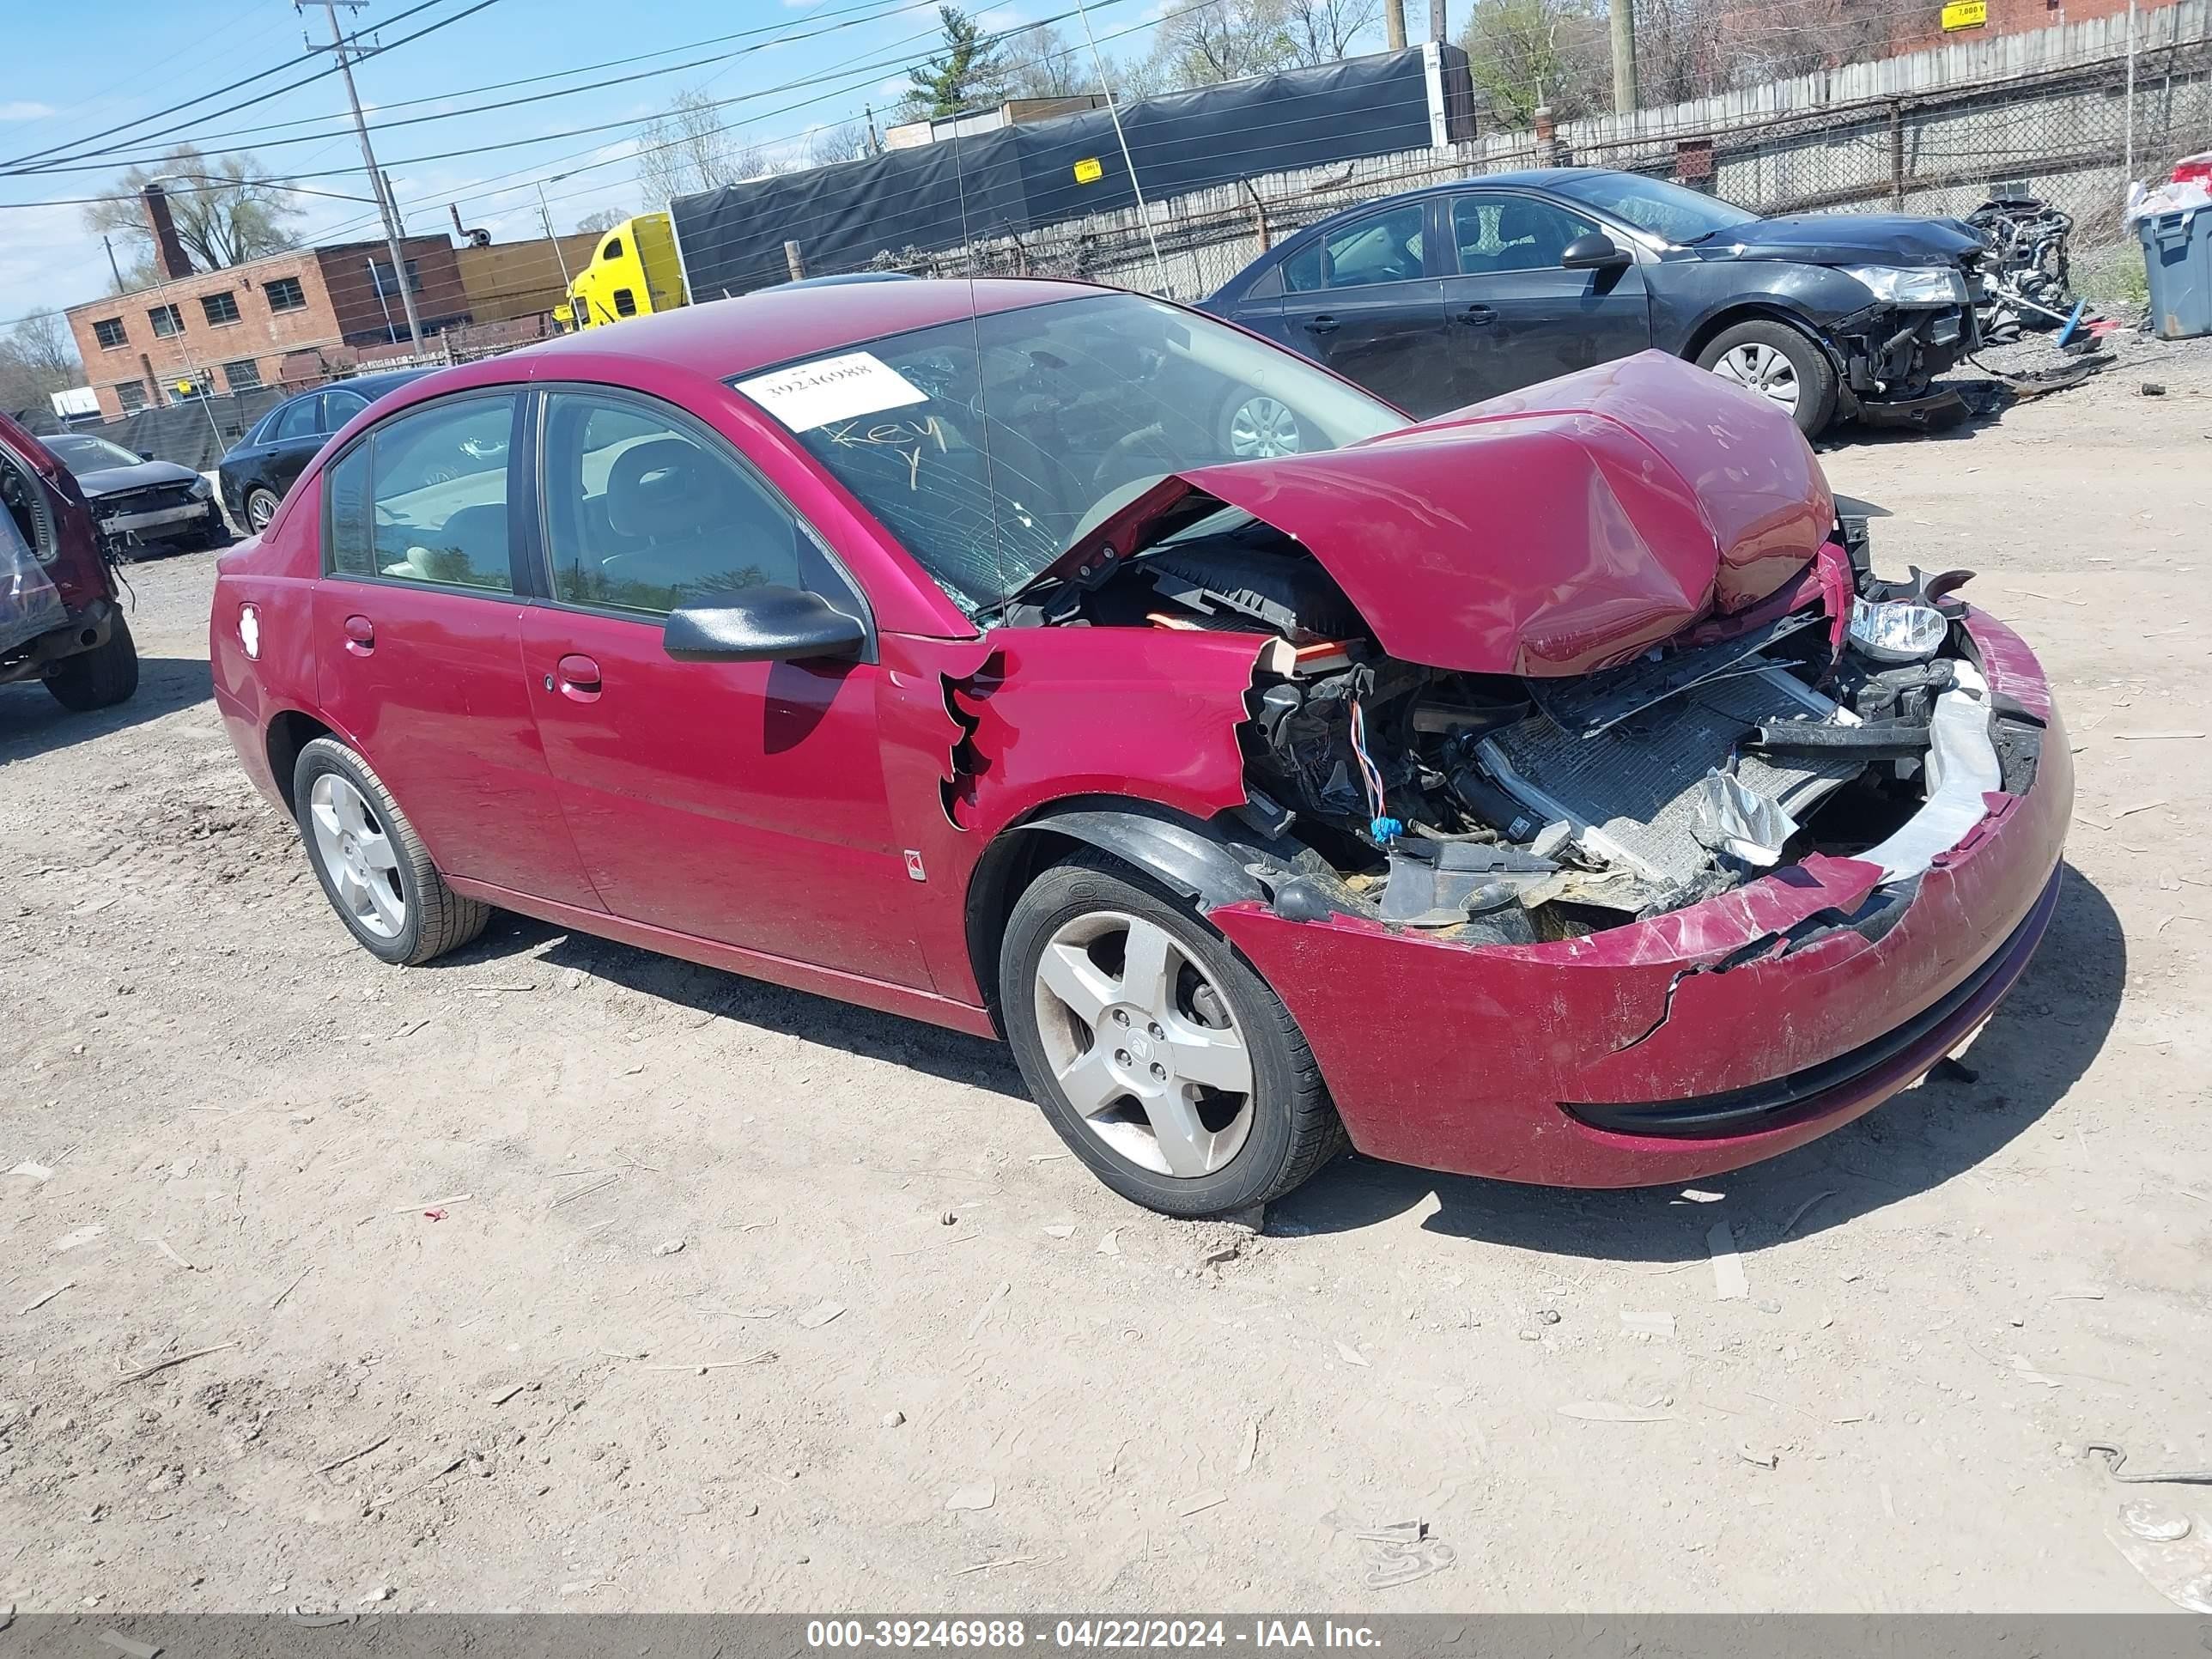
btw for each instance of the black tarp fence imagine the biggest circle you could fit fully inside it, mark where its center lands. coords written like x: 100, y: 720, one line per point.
x: 1022, y: 178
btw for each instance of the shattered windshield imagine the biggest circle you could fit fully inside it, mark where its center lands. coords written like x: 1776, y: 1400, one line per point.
x: 987, y: 445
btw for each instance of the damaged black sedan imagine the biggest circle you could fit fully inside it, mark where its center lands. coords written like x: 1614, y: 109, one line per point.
x: 1442, y: 297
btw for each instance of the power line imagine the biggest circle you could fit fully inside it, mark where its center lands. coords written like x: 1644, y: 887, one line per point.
x: 65, y: 164
x: 869, y: 11
x: 262, y: 75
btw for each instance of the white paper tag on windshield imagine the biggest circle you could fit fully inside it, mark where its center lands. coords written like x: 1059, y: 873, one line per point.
x: 831, y: 389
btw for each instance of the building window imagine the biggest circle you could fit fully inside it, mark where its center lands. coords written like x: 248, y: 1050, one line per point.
x: 131, y: 394
x: 243, y: 375
x: 284, y: 294
x: 385, y: 288
x: 108, y: 331
x: 167, y: 320
x: 220, y: 309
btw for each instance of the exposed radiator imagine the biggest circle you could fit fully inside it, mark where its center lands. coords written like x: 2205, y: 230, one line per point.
x: 1631, y: 792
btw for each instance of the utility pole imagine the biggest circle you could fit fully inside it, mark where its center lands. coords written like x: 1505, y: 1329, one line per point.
x: 546, y: 213
x: 1393, y: 25
x: 1624, y: 56
x: 375, y: 175
x: 113, y: 269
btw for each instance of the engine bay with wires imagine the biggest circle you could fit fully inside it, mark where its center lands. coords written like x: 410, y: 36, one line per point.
x: 1497, y: 809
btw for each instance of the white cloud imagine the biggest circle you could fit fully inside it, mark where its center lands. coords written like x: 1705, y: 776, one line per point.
x: 1000, y: 19
x: 24, y: 110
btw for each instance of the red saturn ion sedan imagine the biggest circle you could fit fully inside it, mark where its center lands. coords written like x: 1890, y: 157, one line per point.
x: 1550, y: 790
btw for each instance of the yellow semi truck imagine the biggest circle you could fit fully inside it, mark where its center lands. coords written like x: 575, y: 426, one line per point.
x: 634, y: 272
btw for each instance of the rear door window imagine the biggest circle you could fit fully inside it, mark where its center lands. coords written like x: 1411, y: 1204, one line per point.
x: 424, y: 498
x: 298, y: 419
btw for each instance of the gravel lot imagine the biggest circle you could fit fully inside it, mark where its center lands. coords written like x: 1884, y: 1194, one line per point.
x: 740, y: 1299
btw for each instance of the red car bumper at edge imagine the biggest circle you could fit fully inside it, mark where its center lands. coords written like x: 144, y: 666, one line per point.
x: 1694, y: 1042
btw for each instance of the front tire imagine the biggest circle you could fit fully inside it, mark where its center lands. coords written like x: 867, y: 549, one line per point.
x: 373, y: 867
x: 101, y: 677
x: 1775, y: 361
x: 1162, y: 1060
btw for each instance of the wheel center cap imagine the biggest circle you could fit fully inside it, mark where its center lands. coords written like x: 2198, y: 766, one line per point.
x: 1141, y: 1046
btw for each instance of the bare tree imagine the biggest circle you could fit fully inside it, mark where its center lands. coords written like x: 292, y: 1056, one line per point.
x: 1039, y: 64
x: 827, y: 146
x: 1218, y: 40
x: 227, y: 208
x: 687, y: 148
x: 603, y: 219
x: 1752, y: 46
x: 36, y: 357
x: 1322, y: 31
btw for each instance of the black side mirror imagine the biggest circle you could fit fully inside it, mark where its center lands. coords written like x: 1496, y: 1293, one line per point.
x: 145, y: 454
x: 1595, y: 252
x: 762, y: 624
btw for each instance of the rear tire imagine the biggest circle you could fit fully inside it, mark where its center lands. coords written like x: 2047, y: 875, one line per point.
x: 261, y: 505
x: 98, y: 678
x: 1214, y: 1019
x: 1764, y: 357
x: 373, y: 867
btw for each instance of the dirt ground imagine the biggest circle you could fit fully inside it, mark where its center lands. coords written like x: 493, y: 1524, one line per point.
x: 740, y: 1299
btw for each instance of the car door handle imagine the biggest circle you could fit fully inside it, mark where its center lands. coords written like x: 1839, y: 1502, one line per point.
x: 1321, y: 326
x: 1476, y: 316
x: 361, y: 636
x: 576, y: 676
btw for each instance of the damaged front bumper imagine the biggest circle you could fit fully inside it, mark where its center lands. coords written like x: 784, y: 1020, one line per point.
x: 1700, y: 1039
x: 1888, y: 355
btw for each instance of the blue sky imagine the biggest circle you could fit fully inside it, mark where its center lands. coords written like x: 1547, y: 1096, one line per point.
x: 70, y: 71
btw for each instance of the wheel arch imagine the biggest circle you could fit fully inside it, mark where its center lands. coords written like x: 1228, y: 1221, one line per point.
x: 1755, y: 311
x: 288, y: 731
x: 1185, y: 855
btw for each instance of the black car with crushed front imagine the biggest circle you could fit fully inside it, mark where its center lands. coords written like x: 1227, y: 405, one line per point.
x: 1445, y: 296
x: 139, y: 501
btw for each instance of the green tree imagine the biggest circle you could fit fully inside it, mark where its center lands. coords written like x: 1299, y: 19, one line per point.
x: 227, y: 208
x: 1524, y: 53
x: 966, y: 74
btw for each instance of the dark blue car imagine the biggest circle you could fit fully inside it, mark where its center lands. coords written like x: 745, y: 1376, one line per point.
x: 1445, y: 296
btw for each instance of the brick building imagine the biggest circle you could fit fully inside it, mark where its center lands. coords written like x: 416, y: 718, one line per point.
x: 245, y: 325
x: 1935, y: 24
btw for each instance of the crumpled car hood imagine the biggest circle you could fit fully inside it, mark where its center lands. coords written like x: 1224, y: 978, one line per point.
x: 114, y: 480
x: 1847, y: 239
x: 1551, y: 531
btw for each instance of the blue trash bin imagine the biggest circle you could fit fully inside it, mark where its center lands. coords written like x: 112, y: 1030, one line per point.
x: 2178, y: 259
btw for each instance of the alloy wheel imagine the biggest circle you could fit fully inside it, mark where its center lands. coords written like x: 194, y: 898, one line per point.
x: 1763, y: 369
x: 357, y: 855
x: 260, y: 507
x: 1143, y: 1045
x: 1262, y: 426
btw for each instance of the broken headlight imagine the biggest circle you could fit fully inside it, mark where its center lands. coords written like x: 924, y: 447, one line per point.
x: 1913, y: 285
x: 1898, y: 630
